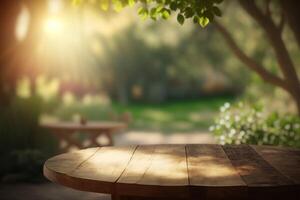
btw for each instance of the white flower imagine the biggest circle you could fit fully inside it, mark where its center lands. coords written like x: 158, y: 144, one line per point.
x: 258, y: 114
x: 237, y: 118
x: 240, y: 137
x: 287, y: 127
x: 227, y: 125
x: 222, y: 138
x: 227, y: 105
x: 242, y: 133
x: 232, y: 132
x: 211, y: 128
x: 227, y: 117
x: 250, y: 119
x: 296, y: 126
x: 222, y: 109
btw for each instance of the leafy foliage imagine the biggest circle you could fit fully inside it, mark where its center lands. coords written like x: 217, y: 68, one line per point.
x: 165, y: 62
x: 200, y: 11
x: 243, y: 123
x: 23, y: 165
x: 24, y: 145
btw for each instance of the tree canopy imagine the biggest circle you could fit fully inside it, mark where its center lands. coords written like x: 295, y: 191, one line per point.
x: 200, y: 11
x: 204, y: 11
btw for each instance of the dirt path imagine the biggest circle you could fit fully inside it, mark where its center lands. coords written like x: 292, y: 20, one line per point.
x: 143, y: 137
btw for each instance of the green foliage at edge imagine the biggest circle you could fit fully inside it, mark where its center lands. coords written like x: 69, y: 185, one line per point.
x: 200, y: 11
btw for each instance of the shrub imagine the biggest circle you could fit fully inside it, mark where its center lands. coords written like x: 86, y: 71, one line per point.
x: 250, y: 124
x: 23, y: 165
x: 23, y: 142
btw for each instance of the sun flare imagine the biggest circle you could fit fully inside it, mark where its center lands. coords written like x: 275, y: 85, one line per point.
x: 53, y: 26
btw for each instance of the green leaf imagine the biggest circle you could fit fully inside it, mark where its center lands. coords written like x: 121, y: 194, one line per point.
x: 153, y: 13
x: 217, y: 11
x: 218, y: 1
x: 203, y: 21
x: 180, y: 19
x: 165, y: 13
x: 118, y: 6
x: 173, y: 6
x: 143, y: 12
x: 131, y: 3
x: 76, y: 2
x: 104, y: 4
x: 209, y: 14
x: 159, y: 8
x: 196, y: 19
x: 189, y: 12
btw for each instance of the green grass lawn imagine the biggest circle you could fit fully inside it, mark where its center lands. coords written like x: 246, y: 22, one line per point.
x: 173, y: 116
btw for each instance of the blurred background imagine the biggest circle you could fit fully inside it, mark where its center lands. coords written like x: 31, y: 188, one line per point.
x: 169, y: 83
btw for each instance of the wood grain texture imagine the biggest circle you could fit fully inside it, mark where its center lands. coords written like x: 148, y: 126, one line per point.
x: 67, y: 162
x: 138, y: 165
x: 57, y: 168
x: 208, y: 165
x: 167, y: 168
x: 158, y: 170
x: 263, y: 180
x: 212, y: 175
x: 285, y: 160
x: 106, y: 165
x: 181, y: 172
x: 253, y: 169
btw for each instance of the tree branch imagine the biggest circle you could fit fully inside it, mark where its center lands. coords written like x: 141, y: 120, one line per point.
x: 282, y: 22
x: 292, y: 16
x: 249, y: 62
x: 268, y: 10
x: 273, y: 34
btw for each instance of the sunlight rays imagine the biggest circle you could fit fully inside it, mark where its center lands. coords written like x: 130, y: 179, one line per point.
x: 22, y: 24
x: 53, y: 26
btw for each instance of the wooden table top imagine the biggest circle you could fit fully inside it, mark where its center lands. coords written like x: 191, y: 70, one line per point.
x: 88, y: 126
x: 181, y: 171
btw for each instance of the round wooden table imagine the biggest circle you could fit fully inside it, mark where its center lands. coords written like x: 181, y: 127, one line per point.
x: 65, y: 130
x: 195, y: 171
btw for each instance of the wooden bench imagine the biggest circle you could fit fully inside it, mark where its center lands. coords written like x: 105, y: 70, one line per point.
x: 65, y: 131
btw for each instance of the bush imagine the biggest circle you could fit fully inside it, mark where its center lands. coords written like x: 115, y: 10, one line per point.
x: 23, y: 142
x: 23, y: 165
x: 246, y: 124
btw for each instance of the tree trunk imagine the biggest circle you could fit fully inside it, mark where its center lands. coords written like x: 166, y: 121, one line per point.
x: 291, y: 11
x: 274, y: 35
x: 295, y: 94
x: 297, y: 98
x: 290, y: 81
